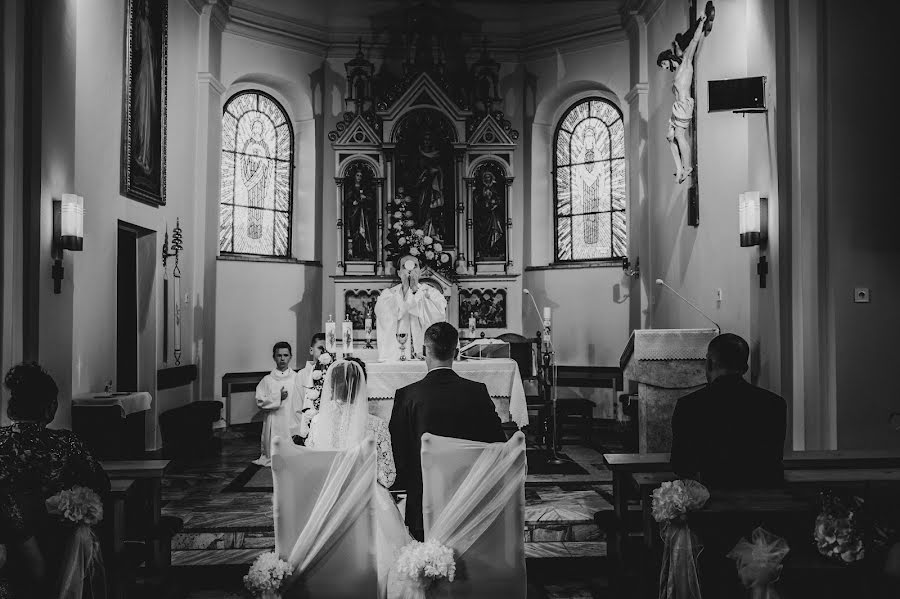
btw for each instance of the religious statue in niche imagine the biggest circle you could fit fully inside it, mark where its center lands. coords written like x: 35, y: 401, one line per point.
x: 680, y: 60
x: 486, y: 306
x: 255, y: 173
x: 359, y: 213
x: 359, y: 305
x: 489, y: 203
x: 425, y: 168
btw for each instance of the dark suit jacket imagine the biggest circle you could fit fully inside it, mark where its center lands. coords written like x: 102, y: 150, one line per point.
x: 730, y: 434
x: 443, y: 403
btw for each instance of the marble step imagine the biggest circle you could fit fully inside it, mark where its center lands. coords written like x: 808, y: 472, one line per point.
x: 245, y: 557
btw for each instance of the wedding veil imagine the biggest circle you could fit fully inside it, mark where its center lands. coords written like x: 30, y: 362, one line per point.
x: 343, y: 409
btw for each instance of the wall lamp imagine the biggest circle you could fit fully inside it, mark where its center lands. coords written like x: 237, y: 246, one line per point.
x: 627, y: 267
x: 753, y: 226
x: 68, y: 233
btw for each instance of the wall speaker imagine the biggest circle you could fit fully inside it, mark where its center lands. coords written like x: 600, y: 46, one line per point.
x: 739, y: 95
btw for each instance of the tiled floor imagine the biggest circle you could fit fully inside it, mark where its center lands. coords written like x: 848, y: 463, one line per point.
x: 230, y: 529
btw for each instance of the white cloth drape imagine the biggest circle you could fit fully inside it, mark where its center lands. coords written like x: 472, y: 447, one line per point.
x: 324, y: 519
x: 81, y: 564
x: 411, y: 314
x: 473, y: 502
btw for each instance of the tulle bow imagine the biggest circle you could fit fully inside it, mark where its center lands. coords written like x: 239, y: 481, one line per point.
x: 759, y: 562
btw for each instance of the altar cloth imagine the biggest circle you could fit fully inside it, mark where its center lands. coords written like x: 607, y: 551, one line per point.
x: 130, y: 403
x: 501, y: 376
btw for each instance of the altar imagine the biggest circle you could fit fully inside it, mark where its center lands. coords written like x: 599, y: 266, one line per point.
x: 501, y: 376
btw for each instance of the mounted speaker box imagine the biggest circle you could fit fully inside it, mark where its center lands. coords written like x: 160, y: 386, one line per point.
x: 738, y: 95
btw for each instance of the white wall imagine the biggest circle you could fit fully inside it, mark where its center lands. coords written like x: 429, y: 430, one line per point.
x: 590, y: 305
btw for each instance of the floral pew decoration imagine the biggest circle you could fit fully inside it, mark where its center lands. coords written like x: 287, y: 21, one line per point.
x: 267, y: 575
x: 678, y: 577
x: 78, y: 510
x: 759, y: 562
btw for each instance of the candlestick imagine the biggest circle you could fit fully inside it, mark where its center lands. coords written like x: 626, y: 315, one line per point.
x: 330, y: 336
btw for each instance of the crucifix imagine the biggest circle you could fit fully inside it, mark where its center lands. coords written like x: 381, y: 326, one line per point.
x: 679, y: 59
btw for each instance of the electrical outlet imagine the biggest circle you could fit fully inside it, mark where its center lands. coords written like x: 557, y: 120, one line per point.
x: 861, y: 295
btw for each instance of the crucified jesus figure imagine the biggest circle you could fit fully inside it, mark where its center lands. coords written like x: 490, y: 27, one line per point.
x: 682, y: 63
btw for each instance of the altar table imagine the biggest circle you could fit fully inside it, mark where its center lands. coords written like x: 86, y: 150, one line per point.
x: 501, y: 376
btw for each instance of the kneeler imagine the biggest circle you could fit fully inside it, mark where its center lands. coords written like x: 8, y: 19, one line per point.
x: 325, y: 520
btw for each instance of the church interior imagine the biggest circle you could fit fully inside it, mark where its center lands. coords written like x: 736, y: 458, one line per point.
x: 590, y: 191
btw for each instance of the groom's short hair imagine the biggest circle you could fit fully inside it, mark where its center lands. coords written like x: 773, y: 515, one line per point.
x: 441, y: 339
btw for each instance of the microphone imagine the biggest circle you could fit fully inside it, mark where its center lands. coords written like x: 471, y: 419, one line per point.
x: 545, y: 320
x: 685, y: 300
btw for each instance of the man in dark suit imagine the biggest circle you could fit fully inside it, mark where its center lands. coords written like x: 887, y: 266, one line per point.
x: 443, y: 403
x: 729, y: 434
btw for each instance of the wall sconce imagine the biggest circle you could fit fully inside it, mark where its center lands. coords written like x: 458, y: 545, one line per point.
x: 753, y: 226
x: 629, y: 271
x: 68, y: 233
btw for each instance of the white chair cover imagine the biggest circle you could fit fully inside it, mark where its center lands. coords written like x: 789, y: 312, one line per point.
x: 474, y: 502
x: 324, y: 519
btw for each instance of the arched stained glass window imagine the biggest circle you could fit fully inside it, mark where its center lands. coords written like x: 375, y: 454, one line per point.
x: 589, y: 182
x: 257, y: 169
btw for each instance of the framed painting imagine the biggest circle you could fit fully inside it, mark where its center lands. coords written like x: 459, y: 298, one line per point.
x: 144, y: 102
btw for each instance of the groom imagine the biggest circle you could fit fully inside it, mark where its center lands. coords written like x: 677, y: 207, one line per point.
x: 443, y: 403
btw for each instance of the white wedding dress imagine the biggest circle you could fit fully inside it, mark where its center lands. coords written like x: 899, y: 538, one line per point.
x: 344, y: 421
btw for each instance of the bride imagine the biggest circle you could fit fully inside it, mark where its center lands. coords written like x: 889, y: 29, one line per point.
x: 344, y: 421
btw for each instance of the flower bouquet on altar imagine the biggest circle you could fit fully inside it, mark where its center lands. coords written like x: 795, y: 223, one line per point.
x: 267, y: 575
x: 404, y: 237
x: 672, y: 501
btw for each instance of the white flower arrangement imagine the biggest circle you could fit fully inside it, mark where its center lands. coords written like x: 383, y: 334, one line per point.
x: 325, y: 359
x: 78, y: 505
x: 267, y: 574
x: 406, y: 237
x: 673, y: 500
x: 427, y: 562
x: 838, y: 533
x: 316, y: 375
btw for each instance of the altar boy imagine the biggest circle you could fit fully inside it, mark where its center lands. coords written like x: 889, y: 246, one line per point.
x: 277, y: 395
x: 304, y: 384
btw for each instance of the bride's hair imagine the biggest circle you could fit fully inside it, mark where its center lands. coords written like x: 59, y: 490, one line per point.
x: 345, y: 380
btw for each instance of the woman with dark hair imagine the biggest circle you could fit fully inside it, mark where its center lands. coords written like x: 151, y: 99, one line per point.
x: 36, y: 463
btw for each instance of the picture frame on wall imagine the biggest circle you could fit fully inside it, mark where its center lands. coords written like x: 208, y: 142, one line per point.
x: 143, y: 166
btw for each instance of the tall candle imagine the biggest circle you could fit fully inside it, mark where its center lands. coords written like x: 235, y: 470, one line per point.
x: 347, y: 337
x: 472, y: 325
x: 330, y: 336
x: 546, y: 312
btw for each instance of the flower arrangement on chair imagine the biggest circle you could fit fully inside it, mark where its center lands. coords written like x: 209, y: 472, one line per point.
x: 426, y: 563
x: 314, y: 393
x: 76, y: 506
x: 267, y: 575
x: 839, y: 530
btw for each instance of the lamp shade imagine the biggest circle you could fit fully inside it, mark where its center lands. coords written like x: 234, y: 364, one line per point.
x: 751, y: 219
x: 72, y: 222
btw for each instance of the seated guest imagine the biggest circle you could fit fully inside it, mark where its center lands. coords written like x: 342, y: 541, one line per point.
x: 730, y: 433
x: 35, y: 464
x: 443, y: 403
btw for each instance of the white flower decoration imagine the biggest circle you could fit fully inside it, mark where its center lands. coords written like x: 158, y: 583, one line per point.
x: 429, y: 255
x: 428, y: 240
x: 325, y: 359
x: 414, y: 251
x: 438, y: 247
x: 317, y: 375
x: 398, y: 225
x: 419, y: 232
x: 409, y: 223
x: 313, y: 394
x: 445, y: 258
x: 398, y: 215
x: 401, y: 241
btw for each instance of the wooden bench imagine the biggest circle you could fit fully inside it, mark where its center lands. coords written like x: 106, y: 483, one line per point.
x: 625, y: 465
x: 113, y: 536
x: 147, y: 476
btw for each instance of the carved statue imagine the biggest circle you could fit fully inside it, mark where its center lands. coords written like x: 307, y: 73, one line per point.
x: 429, y: 189
x: 359, y: 234
x: 682, y: 64
x: 490, y: 225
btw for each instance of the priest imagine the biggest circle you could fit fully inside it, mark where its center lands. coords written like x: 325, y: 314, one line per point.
x: 410, y: 307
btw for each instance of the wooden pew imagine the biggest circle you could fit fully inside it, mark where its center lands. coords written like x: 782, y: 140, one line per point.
x: 113, y: 538
x: 625, y: 465
x: 147, y: 475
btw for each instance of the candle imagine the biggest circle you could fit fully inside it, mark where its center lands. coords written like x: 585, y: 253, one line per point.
x: 330, y: 339
x: 546, y: 312
x: 347, y: 337
x: 471, y: 325
x: 368, y: 326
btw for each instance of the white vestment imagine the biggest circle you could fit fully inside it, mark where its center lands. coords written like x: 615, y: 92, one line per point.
x: 280, y: 416
x: 411, y: 314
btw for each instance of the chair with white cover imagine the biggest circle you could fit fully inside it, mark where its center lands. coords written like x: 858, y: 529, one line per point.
x: 325, y: 520
x: 473, y: 501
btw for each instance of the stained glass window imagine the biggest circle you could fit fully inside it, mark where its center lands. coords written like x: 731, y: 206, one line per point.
x: 257, y: 168
x: 589, y: 182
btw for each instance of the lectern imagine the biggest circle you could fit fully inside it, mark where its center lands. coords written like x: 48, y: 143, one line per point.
x: 666, y: 364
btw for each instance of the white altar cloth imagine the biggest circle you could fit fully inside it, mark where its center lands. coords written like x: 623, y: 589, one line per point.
x: 501, y: 376
x: 130, y: 403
